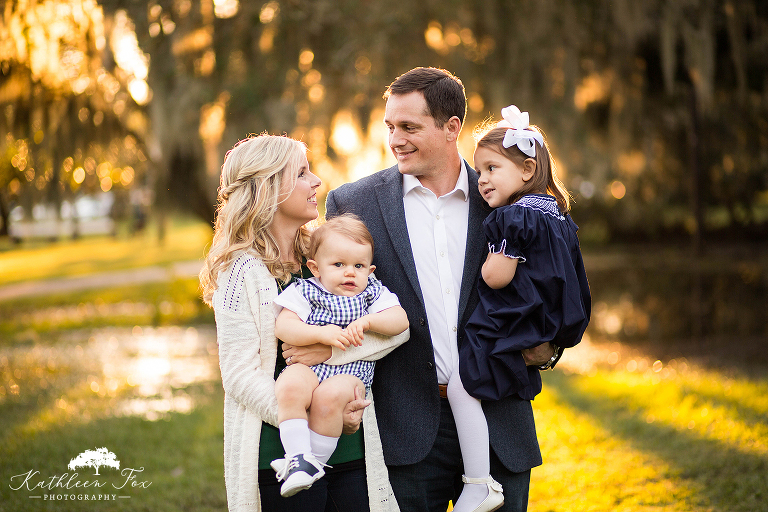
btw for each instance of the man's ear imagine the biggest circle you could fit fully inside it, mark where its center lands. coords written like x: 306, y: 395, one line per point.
x: 453, y: 128
x: 312, y: 266
x: 371, y: 269
x: 529, y: 168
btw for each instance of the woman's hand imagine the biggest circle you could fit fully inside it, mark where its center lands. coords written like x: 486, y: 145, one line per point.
x: 308, y: 355
x: 353, y: 413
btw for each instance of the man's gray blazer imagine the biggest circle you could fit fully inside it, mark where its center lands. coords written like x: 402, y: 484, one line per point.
x: 405, y: 381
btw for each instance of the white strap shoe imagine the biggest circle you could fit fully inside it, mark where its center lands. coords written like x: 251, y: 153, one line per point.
x: 495, y: 498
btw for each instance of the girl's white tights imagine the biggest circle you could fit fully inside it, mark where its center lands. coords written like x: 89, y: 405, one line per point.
x: 473, y: 440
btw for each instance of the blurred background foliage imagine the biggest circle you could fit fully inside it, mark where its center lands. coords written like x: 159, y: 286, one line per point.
x: 657, y: 111
x: 657, y: 114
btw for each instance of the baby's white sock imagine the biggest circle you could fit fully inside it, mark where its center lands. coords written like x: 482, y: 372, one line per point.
x: 322, y: 446
x: 294, y: 435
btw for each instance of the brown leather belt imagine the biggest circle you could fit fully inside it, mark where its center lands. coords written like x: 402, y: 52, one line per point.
x: 443, y: 388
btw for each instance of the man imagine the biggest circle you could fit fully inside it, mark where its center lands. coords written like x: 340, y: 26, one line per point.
x: 425, y: 215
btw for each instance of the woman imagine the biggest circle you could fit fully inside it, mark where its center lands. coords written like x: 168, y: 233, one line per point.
x: 266, y: 198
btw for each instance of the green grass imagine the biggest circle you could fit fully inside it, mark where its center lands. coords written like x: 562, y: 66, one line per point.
x: 619, y: 429
x: 182, y: 457
x: 56, y: 399
x: 185, y: 240
x: 32, y: 320
x: 668, y: 436
x: 619, y: 436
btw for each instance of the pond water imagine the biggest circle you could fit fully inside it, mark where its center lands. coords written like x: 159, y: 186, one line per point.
x: 669, y: 297
x: 143, y: 371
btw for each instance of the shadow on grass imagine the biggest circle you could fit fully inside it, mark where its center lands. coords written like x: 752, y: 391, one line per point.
x: 750, y: 414
x: 181, y: 456
x: 730, y: 478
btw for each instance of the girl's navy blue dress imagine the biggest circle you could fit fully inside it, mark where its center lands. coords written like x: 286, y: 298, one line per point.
x: 547, y: 300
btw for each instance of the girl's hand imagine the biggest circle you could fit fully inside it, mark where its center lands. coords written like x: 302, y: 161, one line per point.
x: 356, y: 330
x: 334, y: 336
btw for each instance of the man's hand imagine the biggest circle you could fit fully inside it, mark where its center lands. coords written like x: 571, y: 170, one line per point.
x: 309, y: 354
x: 353, y: 413
x: 538, y: 355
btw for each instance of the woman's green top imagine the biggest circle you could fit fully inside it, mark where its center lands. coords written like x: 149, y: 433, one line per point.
x: 350, y: 447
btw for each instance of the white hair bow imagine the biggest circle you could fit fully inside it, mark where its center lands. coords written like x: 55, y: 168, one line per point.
x: 517, y: 122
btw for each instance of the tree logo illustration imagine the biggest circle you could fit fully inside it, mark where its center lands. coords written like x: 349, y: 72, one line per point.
x: 95, y: 459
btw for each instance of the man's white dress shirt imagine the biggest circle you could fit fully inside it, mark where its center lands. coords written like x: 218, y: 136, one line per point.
x: 437, y: 228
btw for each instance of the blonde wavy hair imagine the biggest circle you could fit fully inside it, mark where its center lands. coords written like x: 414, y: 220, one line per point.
x: 249, y: 195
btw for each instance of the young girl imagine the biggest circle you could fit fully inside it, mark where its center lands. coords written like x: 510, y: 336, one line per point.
x: 545, y: 299
x: 341, y: 302
x: 534, y: 288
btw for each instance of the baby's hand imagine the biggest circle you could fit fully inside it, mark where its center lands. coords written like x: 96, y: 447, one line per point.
x: 356, y: 330
x: 334, y: 336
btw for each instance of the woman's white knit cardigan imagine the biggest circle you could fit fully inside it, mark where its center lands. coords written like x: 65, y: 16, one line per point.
x: 245, y: 325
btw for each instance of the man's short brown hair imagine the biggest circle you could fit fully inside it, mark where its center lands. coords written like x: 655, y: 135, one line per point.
x: 443, y: 92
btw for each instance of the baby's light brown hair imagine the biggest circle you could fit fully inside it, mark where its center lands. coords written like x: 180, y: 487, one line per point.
x: 348, y: 225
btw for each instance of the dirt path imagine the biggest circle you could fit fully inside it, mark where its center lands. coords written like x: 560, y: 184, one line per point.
x: 101, y: 280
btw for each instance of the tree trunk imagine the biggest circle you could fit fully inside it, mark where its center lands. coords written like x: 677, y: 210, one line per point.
x: 187, y: 187
x: 697, y: 295
x: 5, y: 216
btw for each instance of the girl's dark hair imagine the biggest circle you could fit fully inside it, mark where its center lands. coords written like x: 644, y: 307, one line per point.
x: 544, y: 179
x: 443, y: 92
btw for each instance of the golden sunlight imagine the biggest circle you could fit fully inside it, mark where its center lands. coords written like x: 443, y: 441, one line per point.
x: 305, y: 60
x: 225, y: 8
x: 267, y: 40
x: 47, y: 37
x: 268, y: 12
x: 196, y: 41
x: 631, y: 163
x: 141, y: 372
x: 452, y: 37
x: 676, y: 393
x: 476, y: 103
x: 594, y: 88
x: 126, y: 49
x: 129, y: 57
x: 139, y: 91
x: 618, y: 190
x: 345, y: 139
x: 316, y: 93
x: 78, y: 175
x: 212, y: 122
x: 433, y: 36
